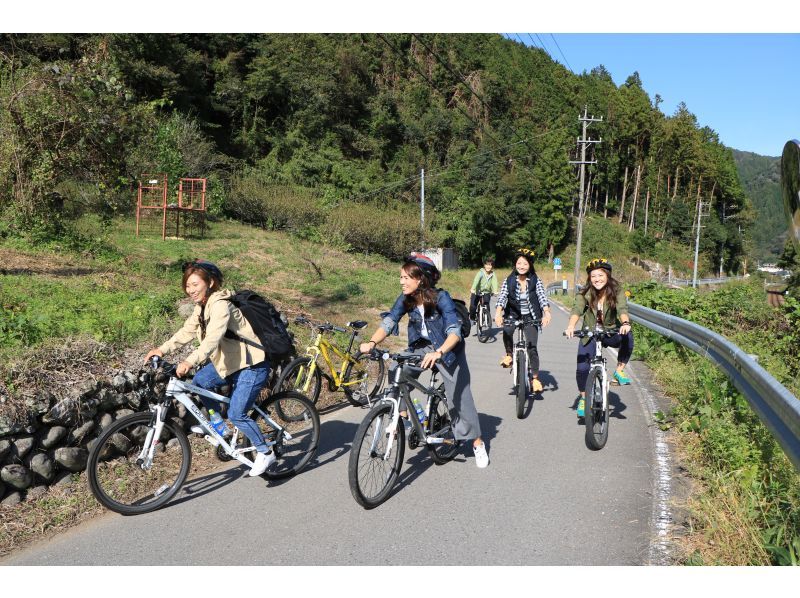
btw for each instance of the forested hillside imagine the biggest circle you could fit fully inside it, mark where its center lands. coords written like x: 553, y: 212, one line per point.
x: 321, y: 133
x: 761, y: 180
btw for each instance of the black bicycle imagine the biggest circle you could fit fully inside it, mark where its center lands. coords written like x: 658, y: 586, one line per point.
x: 379, y: 444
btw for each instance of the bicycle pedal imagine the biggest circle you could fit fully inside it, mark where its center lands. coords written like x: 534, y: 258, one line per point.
x: 210, y: 440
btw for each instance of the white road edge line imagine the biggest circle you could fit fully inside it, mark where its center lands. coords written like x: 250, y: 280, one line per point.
x: 661, y: 518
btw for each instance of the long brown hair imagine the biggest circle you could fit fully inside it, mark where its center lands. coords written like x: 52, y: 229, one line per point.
x: 425, y: 289
x: 609, y: 292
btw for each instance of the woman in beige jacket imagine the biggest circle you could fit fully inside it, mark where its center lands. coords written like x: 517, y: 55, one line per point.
x: 230, y: 361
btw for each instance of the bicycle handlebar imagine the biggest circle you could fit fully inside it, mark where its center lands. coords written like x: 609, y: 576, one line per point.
x: 520, y: 323
x: 401, y: 357
x: 324, y: 327
x: 590, y: 333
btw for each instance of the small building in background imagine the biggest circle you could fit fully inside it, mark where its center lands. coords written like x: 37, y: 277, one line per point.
x: 445, y: 258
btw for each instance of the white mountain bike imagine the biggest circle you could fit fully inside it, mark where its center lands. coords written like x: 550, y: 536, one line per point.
x: 596, y: 408
x: 141, y: 461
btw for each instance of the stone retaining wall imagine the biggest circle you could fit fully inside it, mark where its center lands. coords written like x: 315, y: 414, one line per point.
x: 53, y: 443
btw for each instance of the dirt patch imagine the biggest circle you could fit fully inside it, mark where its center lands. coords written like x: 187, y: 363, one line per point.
x: 14, y: 262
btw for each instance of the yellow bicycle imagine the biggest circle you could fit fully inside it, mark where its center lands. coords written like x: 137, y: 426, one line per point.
x: 359, y: 376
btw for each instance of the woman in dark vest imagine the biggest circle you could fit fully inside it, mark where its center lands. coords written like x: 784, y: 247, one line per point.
x: 522, y: 296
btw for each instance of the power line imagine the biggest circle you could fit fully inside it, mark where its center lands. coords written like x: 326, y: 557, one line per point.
x: 543, y: 46
x: 562, y: 53
x: 532, y: 41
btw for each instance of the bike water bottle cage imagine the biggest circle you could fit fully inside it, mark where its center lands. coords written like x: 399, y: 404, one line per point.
x: 204, y: 265
x: 599, y: 262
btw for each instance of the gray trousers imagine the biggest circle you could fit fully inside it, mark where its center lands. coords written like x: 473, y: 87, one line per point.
x: 456, y: 378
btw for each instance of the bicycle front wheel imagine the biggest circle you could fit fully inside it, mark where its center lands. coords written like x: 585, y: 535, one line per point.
x: 441, y: 426
x: 596, y: 418
x: 362, y: 379
x: 483, y: 325
x: 299, y: 375
x: 120, y: 476
x: 292, y: 423
x: 522, y: 384
x: 373, y: 469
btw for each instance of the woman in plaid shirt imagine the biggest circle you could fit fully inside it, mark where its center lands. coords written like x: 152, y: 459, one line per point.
x: 523, y: 295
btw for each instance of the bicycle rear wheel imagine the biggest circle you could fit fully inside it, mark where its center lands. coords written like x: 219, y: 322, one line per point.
x: 440, y: 426
x: 372, y: 474
x: 363, y: 379
x: 293, y: 425
x: 119, y: 479
x: 522, y: 383
x: 298, y: 376
x: 596, y: 418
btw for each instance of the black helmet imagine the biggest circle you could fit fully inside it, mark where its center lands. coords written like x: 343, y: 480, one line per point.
x: 205, y: 265
x: 426, y: 265
x: 598, y: 262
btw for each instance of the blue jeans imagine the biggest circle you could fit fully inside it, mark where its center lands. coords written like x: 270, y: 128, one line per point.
x: 586, y: 354
x: 246, y: 384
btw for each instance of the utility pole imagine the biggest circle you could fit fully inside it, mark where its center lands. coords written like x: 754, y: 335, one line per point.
x: 582, y: 142
x: 703, y: 208
x: 422, y: 207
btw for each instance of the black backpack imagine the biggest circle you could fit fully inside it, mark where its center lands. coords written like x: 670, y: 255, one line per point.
x: 276, y: 340
x: 463, y: 314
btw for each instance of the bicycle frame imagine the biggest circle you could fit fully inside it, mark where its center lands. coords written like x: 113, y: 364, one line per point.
x: 519, y: 345
x: 599, y: 363
x: 401, y: 385
x: 322, y: 346
x: 181, y: 392
x: 483, y: 311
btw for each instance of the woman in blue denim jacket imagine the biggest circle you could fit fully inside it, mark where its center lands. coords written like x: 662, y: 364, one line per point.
x: 434, y: 331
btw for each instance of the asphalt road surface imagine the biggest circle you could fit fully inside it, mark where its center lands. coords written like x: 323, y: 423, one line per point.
x: 545, y: 498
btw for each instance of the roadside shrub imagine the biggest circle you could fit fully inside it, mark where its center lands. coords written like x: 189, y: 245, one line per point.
x: 737, y: 456
x: 273, y: 207
x: 390, y: 232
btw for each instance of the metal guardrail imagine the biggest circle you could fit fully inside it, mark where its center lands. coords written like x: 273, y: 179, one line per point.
x: 777, y: 408
x: 685, y: 282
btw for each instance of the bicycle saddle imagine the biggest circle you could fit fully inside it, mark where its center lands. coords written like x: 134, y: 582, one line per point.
x: 357, y: 325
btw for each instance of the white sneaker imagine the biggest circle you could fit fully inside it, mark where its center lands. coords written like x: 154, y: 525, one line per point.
x: 481, y: 456
x: 263, y: 460
x: 197, y: 430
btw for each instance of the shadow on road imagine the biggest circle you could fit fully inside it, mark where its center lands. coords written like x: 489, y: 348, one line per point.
x: 615, y: 404
x: 203, y: 485
x: 490, y: 334
x: 335, y: 440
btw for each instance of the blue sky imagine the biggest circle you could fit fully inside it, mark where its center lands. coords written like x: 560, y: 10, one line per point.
x: 744, y: 86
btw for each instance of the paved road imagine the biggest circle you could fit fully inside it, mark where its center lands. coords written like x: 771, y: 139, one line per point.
x: 545, y: 499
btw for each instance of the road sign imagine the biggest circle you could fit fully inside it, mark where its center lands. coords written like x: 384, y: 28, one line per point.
x: 557, y: 263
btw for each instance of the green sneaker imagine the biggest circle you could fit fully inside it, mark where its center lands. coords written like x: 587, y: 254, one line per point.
x: 621, y: 379
x: 581, y: 405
